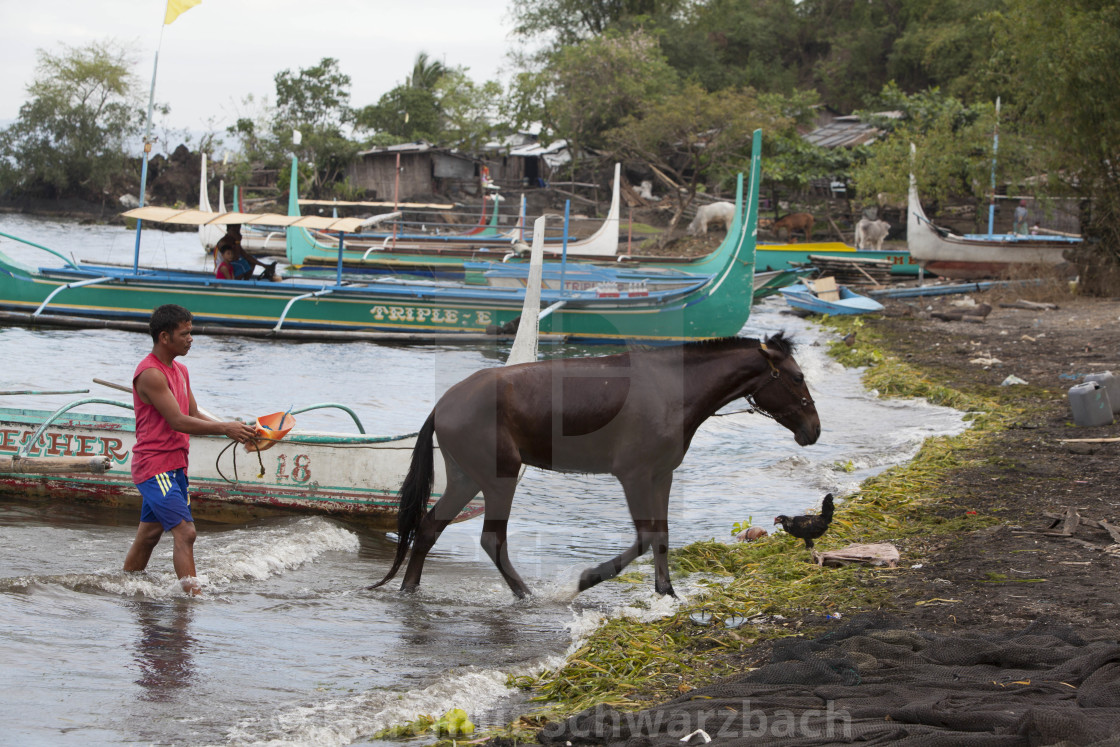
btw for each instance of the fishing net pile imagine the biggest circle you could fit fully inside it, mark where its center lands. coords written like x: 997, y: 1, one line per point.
x: 867, y: 683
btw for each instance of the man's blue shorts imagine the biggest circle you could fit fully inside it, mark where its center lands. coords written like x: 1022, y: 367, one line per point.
x: 165, y: 499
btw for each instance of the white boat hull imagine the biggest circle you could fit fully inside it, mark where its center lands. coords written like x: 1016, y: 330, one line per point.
x: 346, y: 476
x: 952, y: 256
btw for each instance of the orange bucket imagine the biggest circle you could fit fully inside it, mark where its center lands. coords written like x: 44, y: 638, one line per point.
x: 270, y: 429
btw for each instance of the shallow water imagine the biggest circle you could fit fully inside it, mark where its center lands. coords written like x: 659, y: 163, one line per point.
x: 287, y: 646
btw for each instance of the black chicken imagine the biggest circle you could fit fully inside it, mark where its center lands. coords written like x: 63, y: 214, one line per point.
x: 808, y: 528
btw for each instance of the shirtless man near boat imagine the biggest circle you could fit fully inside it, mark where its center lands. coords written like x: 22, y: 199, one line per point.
x: 166, y: 417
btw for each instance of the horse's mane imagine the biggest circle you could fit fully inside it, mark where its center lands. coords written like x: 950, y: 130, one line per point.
x: 777, y: 341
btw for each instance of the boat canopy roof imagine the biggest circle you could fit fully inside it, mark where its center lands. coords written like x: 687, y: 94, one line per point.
x: 205, y: 218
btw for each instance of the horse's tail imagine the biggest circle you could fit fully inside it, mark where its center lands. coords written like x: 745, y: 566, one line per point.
x: 414, y: 494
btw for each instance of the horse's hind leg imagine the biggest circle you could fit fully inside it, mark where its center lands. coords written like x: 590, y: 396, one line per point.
x: 459, y: 492
x: 499, y: 498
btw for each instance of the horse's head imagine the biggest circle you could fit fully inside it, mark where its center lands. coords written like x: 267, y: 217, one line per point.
x: 782, y: 393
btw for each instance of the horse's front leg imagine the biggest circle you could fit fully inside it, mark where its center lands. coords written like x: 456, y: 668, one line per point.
x: 658, y: 522
x: 495, y: 545
x: 648, y: 499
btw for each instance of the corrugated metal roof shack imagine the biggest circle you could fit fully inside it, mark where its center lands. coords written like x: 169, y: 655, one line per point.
x: 424, y: 170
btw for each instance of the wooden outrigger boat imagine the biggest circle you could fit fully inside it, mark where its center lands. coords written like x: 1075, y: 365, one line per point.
x: 715, y: 305
x: 440, y: 256
x: 349, y: 476
x: 976, y: 256
x: 272, y: 240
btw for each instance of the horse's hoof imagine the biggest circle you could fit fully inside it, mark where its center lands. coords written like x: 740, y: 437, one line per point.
x: 410, y: 588
x: 589, y: 578
x: 665, y: 590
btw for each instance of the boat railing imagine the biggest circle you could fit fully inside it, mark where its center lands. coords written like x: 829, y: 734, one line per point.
x: 325, y: 405
x: 63, y: 257
x: 25, y: 450
x: 31, y: 442
x: 321, y: 292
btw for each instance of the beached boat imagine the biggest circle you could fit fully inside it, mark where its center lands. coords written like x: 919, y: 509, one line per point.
x: 785, y: 256
x: 353, y: 476
x: 977, y: 256
x: 715, y: 305
x: 824, y: 296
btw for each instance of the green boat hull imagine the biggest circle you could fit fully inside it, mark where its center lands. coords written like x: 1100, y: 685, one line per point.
x: 718, y: 308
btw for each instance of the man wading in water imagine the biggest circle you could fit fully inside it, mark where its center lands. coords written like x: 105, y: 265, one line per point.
x: 166, y: 416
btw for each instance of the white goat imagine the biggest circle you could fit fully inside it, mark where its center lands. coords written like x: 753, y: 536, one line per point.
x: 717, y: 212
x: 870, y: 233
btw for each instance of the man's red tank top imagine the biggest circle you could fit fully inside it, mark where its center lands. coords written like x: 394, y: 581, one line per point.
x: 159, y: 448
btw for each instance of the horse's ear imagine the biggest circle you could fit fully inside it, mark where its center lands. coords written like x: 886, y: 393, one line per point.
x: 770, y: 354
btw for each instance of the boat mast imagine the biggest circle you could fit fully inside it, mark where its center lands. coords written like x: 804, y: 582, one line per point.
x: 995, y: 149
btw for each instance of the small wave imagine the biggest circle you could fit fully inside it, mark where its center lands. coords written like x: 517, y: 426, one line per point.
x: 149, y: 584
x: 244, y: 554
x: 344, y: 721
x: 257, y: 554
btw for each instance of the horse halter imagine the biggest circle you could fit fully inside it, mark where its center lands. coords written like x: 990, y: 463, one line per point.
x: 776, y: 376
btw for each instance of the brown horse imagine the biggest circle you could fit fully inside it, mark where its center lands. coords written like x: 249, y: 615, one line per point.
x: 632, y: 415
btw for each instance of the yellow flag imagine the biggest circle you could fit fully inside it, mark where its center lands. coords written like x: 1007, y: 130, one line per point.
x: 175, y: 7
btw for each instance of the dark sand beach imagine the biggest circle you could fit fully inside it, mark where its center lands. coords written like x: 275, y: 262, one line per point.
x: 1005, y: 634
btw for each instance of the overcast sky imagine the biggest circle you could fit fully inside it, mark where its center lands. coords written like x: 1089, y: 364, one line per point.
x: 216, y: 53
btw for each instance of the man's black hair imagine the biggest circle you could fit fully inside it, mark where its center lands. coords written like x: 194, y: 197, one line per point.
x: 167, y: 318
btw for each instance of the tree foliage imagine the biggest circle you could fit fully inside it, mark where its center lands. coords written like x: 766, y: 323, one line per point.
x: 316, y: 102
x: 1062, y: 58
x: 436, y: 103
x: 953, y: 148
x: 691, y: 135
x: 568, y: 22
x: 70, y: 137
x: 591, y: 87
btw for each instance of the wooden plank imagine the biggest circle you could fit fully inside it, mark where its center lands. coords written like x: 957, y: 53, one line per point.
x: 54, y: 465
x: 1112, y: 529
x: 865, y: 261
x: 1069, y: 521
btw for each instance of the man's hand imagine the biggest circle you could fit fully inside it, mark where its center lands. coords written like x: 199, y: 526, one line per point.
x: 241, y: 432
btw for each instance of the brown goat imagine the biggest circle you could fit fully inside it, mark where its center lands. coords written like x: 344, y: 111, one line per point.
x: 794, y: 222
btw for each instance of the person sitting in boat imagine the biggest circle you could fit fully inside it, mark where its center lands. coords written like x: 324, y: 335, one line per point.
x: 243, y: 262
x: 225, y: 269
x: 1019, y: 222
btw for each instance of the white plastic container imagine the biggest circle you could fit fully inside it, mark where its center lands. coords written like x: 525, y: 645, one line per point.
x: 1111, y: 384
x: 1089, y: 404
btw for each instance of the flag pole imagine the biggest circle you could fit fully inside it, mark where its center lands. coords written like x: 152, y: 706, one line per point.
x: 147, y: 151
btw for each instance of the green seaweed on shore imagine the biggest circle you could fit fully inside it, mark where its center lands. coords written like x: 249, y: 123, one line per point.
x: 769, y: 583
